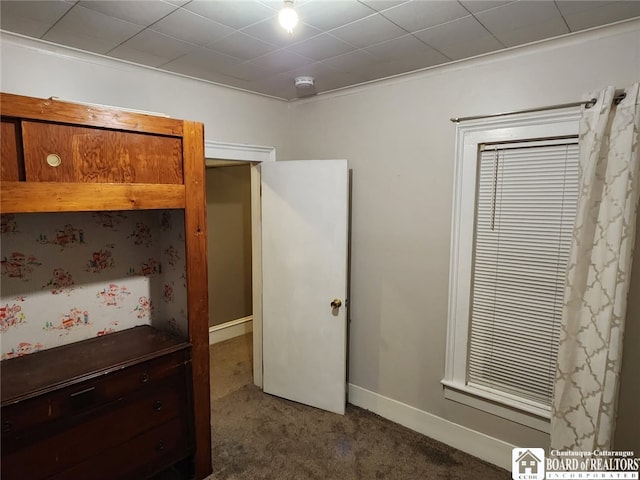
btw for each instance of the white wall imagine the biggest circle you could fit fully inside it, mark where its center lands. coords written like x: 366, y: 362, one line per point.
x: 42, y: 70
x: 400, y: 145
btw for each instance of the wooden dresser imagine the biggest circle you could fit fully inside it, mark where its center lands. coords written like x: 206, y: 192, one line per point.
x: 109, y: 407
x: 127, y: 404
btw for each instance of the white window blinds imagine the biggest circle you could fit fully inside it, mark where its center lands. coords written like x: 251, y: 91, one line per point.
x: 526, y: 202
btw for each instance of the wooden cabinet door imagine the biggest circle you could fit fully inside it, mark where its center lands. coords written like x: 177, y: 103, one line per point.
x: 10, y: 159
x: 64, y: 153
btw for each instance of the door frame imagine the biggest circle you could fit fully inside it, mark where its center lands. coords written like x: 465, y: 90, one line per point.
x: 255, y: 155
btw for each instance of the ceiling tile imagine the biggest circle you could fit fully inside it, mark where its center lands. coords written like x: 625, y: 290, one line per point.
x: 281, y: 61
x: 242, y: 46
x: 351, y: 62
x: 369, y: 30
x: 201, y: 30
x: 246, y: 71
x: 205, y: 64
x: 400, y: 65
x: 523, y: 22
x: 280, y: 86
x: 407, y: 47
x: 475, y: 6
x: 328, y: 14
x: 577, y: 6
x: 125, y: 52
x: 276, y: 5
x: 90, y: 30
x: 337, y: 80
x: 321, y: 47
x: 383, y: 69
x: 177, y: 3
x: 31, y: 18
x: 200, y: 62
x: 134, y: 11
x: 420, y: 14
x: 217, y: 77
x: 316, y: 70
x: 233, y: 13
x: 586, y: 14
x: 380, y: 5
x: 271, y: 32
x: 461, y: 38
x: 157, y: 46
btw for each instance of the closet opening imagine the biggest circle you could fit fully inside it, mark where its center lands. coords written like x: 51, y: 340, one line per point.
x: 230, y: 262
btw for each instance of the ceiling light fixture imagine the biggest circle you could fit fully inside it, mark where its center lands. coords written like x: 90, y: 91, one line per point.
x: 288, y: 17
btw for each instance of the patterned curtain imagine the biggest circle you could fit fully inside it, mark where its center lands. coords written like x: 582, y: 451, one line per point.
x: 590, y: 350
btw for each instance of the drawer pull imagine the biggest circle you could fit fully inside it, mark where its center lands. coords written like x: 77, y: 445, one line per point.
x: 161, y: 446
x: 54, y: 160
x: 144, y: 378
x: 82, y: 392
x: 7, y: 426
x: 157, y: 405
x: 83, y: 398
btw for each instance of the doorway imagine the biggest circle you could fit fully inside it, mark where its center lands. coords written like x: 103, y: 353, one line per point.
x: 229, y: 246
x: 219, y: 154
x: 228, y: 186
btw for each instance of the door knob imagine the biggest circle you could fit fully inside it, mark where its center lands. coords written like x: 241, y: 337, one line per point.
x: 337, y: 303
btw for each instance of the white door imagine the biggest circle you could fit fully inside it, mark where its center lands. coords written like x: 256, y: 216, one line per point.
x: 304, y: 278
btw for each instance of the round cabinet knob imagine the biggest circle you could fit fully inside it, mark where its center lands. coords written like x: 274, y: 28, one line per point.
x: 337, y: 303
x: 54, y: 160
x: 144, y: 378
x: 157, y: 405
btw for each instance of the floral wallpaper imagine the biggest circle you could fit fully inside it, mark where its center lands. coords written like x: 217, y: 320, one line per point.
x: 66, y: 277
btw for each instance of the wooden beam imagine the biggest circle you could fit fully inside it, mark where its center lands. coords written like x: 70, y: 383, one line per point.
x: 84, y: 114
x: 29, y: 197
x: 197, y: 290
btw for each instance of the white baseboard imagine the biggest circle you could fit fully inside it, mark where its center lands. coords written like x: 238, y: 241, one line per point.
x: 231, y: 329
x: 469, y: 441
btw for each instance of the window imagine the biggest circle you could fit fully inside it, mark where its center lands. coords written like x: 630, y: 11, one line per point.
x: 514, y: 208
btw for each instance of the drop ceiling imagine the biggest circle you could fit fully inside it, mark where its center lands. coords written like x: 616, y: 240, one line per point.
x: 340, y: 43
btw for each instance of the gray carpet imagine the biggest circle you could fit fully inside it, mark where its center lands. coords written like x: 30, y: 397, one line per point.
x: 258, y: 436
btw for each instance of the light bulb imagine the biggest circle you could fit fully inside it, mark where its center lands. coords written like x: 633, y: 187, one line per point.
x: 288, y: 17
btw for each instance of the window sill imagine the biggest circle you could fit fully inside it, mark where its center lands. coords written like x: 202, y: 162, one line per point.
x: 528, y: 415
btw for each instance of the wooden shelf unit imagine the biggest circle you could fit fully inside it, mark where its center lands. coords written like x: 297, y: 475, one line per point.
x: 115, y: 159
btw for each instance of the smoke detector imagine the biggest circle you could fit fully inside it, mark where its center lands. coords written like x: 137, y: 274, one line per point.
x: 304, y: 82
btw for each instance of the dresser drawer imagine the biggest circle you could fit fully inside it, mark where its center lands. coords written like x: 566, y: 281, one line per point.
x: 138, y: 458
x: 18, y: 420
x: 64, y: 153
x: 77, y: 439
